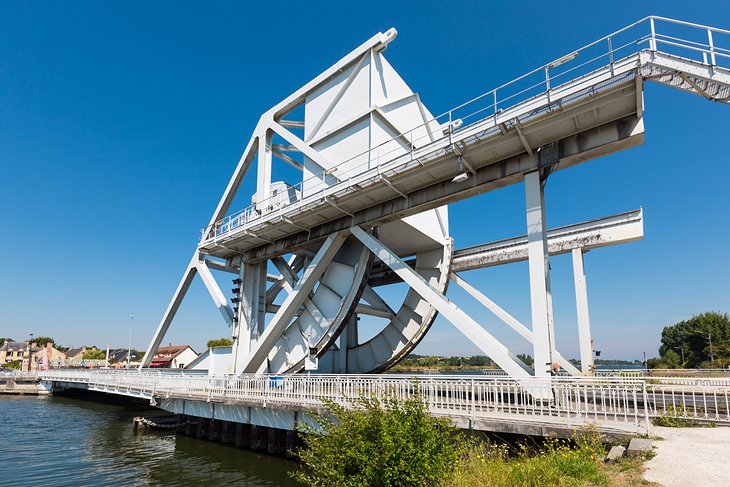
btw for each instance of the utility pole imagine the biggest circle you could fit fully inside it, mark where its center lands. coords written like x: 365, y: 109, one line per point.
x: 712, y: 357
x: 681, y: 349
x: 30, y: 353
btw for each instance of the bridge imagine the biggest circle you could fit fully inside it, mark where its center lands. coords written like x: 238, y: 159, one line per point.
x: 367, y: 172
x: 614, y: 405
x: 370, y: 172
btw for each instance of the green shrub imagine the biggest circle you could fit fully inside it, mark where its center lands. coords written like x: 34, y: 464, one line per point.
x: 378, y: 442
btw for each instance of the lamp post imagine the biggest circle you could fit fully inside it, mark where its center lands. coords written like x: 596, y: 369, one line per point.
x: 30, y: 351
x: 129, y: 344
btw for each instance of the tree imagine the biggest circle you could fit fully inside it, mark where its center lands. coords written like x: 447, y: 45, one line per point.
x: 94, y: 354
x: 3, y: 340
x: 219, y: 342
x: 378, y: 442
x: 693, y: 339
x: 527, y: 359
x: 42, y: 341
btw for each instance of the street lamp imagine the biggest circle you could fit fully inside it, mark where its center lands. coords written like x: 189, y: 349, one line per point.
x: 30, y: 351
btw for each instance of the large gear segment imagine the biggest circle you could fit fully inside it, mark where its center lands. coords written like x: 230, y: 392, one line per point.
x: 327, y: 309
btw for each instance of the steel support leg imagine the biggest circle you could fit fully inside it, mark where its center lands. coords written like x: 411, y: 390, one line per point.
x: 540, y: 298
x: 172, y: 308
x: 252, y: 311
x: 584, y: 323
x: 510, y: 320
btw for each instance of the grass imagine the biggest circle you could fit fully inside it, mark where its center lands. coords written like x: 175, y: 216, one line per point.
x: 555, y: 463
x: 673, y: 418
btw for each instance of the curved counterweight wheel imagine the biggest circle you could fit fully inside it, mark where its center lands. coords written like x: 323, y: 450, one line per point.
x: 327, y: 323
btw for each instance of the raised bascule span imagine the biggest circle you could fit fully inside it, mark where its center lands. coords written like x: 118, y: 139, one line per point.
x: 370, y: 172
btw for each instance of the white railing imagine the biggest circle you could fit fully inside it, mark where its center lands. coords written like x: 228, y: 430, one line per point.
x: 703, y: 44
x: 565, y: 402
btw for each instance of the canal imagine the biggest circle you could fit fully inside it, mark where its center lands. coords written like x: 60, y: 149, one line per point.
x: 62, y: 441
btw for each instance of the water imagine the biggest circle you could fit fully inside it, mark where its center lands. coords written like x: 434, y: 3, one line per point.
x: 58, y: 441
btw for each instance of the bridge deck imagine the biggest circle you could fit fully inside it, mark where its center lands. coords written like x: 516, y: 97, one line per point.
x: 616, y: 406
x: 553, y: 117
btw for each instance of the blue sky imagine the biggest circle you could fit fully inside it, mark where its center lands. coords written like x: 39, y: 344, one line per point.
x: 120, y: 125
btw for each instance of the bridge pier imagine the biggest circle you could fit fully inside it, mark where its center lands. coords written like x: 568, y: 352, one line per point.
x: 258, y: 437
x: 276, y: 441
x: 243, y: 434
x: 191, y: 425
x: 203, y: 427
x: 214, y: 430
x: 228, y: 432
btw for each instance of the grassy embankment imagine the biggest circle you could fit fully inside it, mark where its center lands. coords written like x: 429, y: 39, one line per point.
x: 556, y: 463
x: 387, y: 442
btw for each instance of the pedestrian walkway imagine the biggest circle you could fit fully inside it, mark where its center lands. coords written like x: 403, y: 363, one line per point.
x: 690, y: 456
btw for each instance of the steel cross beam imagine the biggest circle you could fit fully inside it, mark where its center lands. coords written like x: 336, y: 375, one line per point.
x: 510, y: 320
x: 215, y: 292
x: 462, y: 321
x: 610, y: 230
x: 291, y: 304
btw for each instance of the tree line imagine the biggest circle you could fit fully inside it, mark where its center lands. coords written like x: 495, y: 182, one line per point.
x: 702, y: 341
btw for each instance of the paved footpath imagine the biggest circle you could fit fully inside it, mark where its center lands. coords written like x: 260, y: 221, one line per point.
x: 690, y: 456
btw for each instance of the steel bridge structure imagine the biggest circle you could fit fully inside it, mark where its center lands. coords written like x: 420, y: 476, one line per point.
x: 620, y: 405
x: 374, y: 172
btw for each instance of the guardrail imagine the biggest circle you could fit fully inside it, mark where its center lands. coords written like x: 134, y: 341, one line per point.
x: 568, y: 400
x: 564, y: 402
x: 707, y: 45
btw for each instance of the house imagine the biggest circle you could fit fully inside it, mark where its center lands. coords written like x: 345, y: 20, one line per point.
x: 11, y: 351
x: 120, y: 355
x: 173, y: 357
x: 55, y: 356
x: 75, y: 354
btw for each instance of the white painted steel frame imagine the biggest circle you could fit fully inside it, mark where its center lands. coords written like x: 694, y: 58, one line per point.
x: 462, y: 321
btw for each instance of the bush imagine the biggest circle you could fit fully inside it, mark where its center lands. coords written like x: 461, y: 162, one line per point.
x: 219, y: 342
x: 378, y: 442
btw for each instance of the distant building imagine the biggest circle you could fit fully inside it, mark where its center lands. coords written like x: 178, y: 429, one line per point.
x: 173, y: 357
x: 120, y: 355
x: 55, y: 356
x: 75, y: 354
x: 11, y: 351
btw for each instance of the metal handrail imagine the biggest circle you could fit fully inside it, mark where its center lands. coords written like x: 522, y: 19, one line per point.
x: 653, y: 38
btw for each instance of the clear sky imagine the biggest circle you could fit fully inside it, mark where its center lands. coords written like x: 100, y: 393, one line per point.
x: 120, y: 124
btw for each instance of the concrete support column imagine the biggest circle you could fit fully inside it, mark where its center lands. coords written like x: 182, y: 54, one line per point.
x: 540, y: 297
x: 584, y: 323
